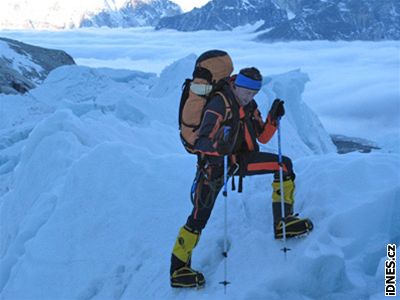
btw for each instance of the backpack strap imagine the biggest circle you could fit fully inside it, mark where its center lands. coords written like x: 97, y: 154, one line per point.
x: 185, y: 94
x: 228, y: 106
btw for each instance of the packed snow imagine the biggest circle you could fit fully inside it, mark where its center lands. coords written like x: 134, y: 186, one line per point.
x: 94, y: 185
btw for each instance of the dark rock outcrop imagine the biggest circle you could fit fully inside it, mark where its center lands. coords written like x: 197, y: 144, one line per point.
x: 345, y: 144
x: 25, y: 66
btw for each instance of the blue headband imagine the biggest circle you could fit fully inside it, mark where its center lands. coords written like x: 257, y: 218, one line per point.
x: 247, y: 83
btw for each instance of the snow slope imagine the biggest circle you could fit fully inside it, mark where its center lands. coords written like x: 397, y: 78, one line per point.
x: 95, y: 186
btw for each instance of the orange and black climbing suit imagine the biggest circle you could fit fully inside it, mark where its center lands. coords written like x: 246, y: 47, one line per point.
x: 249, y: 128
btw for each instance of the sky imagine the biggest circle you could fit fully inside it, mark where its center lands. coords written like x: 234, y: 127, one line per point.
x: 190, y: 4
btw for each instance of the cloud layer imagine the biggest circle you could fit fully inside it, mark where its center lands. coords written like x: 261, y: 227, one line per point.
x: 354, y: 86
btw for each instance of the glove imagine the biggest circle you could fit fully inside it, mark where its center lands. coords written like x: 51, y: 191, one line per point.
x: 222, y: 141
x: 277, y: 110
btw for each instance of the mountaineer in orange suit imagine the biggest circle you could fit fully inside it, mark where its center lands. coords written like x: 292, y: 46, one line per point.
x: 246, y: 126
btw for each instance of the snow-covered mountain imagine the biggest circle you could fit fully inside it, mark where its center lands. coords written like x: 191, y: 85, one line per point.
x: 225, y: 15
x: 338, y: 20
x: 282, y: 19
x: 56, y: 14
x: 23, y: 66
x: 133, y: 13
x: 297, y: 20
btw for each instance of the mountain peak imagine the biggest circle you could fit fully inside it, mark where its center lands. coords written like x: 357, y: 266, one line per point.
x: 296, y: 20
x: 57, y: 14
x: 225, y: 15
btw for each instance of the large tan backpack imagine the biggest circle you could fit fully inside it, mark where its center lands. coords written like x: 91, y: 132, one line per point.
x: 211, y: 71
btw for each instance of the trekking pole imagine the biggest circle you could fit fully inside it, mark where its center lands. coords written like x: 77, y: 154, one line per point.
x: 284, y: 249
x: 225, y: 193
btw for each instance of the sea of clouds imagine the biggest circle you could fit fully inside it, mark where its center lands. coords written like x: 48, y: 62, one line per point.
x: 354, y: 86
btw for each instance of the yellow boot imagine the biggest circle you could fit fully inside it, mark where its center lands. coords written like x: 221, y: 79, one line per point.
x: 182, y: 275
x: 288, y: 189
x: 294, y: 226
